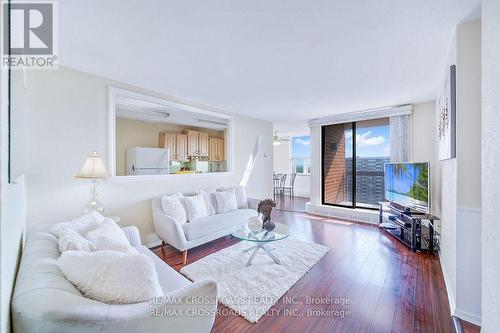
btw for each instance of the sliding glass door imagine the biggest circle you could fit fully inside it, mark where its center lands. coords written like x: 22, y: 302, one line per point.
x: 353, y: 156
x: 337, y: 164
x: 372, y: 152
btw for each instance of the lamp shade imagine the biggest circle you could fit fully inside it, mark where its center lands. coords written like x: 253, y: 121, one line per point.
x: 93, y: 168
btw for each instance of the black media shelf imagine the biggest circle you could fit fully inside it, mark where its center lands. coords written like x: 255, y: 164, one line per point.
x: 416, y: 230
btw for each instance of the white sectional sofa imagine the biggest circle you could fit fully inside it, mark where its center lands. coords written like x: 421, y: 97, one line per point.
x: 45, y: 301
x: 184, y: 236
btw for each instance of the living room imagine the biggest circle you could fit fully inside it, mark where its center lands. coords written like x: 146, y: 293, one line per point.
x: 277, y: 166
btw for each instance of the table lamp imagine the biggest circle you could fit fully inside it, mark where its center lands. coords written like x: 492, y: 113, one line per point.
x: 93, y: 168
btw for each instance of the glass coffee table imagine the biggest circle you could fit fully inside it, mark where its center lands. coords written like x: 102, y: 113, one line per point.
x: 252, y: 232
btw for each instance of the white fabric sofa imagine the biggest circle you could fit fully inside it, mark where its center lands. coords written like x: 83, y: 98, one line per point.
x: 189, y: 235
x: 44, y: 301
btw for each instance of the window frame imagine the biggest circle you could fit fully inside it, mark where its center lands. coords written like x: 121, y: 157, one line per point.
x: 354, y: 171
x: 307, y: 160
x: 307, y: 165
x: 114, y: 91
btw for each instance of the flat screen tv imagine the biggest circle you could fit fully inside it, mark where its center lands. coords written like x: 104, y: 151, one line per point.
x: 407, y: 185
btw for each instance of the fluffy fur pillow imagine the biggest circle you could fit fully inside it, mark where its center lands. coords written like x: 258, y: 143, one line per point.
x: 172, y: 206
x: 81, y: 224
x: 195, y: 207
x: 226, y: 201
x: 109, y: 236
x: 70, y: 240
x: 111, y: 276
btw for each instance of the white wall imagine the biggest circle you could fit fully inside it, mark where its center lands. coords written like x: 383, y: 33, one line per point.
x: 13, y: 217
x: 468, y: 301
x: 447, y: 201
x: 490, y: 238
x: 12, y: 210
x: 315, y: 176
x: 281, y: 157
x: 469, y: 113
x: 68, y: 120
x: 302, y: 186
x: 460, y: 192
x: 424, y: 147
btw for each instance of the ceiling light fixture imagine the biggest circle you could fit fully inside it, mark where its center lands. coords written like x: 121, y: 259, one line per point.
x: 277, y: 140
x: 142, y: 109
x: 212, y: 122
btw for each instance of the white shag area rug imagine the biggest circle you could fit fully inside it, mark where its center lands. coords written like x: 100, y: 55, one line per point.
x: 252, y: 291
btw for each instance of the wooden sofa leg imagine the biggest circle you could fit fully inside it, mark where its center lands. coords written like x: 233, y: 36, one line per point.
x: 163, y: 243
x: 184, y: 257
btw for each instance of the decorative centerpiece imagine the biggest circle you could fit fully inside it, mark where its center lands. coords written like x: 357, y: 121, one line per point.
x: 265, y: 208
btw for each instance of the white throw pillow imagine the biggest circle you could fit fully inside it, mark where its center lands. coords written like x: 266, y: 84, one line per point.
x: 108, y: 236
x: 173, y: 207
x: 81, y: 224
x: 195, y: 207
x: 208, y: 197
x: 111, y: 276
x: 241, y: 195
x: 226, y: 201
x: 70, y: 240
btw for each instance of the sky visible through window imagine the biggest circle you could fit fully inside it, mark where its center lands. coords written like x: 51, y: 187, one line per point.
x: 301, y: 151
x: 370, y: 142
x: 301, y: 146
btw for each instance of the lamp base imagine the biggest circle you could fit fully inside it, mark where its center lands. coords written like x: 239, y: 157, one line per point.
x: 94, y: 204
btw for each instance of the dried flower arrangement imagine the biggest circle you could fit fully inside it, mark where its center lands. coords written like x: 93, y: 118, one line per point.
x: 265, y: 207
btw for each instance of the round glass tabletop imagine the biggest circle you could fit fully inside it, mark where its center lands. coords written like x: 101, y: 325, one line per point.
x: 252, y: 231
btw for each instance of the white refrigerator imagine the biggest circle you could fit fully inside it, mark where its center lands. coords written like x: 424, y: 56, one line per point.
x: 147, y: 161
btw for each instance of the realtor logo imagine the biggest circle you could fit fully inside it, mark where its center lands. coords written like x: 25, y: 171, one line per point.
x: 30, y: 28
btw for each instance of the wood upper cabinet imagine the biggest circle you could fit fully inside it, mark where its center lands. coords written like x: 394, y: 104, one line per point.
x: 202, y: 144
x: 189, y: 143
x: 220, y: 150
x: 182, y: 147
x: 212, y: 151
x: 197, y: 143
x: 192, y: 141
x: 169, y: 141
x: 216, y: 152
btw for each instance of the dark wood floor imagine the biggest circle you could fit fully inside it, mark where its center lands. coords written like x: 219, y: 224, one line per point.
x: 292, y: 204
x: 390, y: 288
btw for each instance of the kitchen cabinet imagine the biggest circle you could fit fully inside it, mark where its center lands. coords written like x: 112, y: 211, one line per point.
x: 182, y: 147
x: 176, y: 143
x: 216, y: 151
x: 220, y: 150
x: 192, y: 142
x: 202, y: 144
x: 169, y: 141
x: 212, y: 151
x: 197, y: 143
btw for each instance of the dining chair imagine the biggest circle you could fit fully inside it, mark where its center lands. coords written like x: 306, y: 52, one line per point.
x: 279, y: 181
x: 291, y: 185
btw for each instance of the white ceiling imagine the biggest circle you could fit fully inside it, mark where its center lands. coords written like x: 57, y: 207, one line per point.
x: 274, y: 60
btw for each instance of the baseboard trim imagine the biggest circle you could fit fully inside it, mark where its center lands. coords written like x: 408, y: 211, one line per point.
x: 467, y: 316
x: 451, y: 297
x: 469, y: 209
x: 302, y: 194
x: 464, y: 315
x: 357, y: 214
